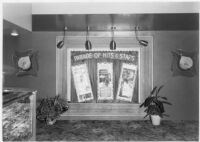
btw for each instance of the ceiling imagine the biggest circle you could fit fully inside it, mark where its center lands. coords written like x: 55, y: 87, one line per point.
x: 125, y: 15
x: 122, y: 22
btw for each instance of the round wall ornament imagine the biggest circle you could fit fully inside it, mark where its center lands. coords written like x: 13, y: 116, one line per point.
x: 24, y: 63
x: 185, y: 62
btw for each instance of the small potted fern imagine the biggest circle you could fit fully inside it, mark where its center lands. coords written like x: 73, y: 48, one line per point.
x: 154, y: 107
x: 50, y: 109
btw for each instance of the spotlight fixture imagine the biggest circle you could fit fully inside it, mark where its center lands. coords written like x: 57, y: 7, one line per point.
x: 112, y: 43
x: 88, y: 44
x: 141, y: 42
x: 14, y: 33
x: 62, y: 42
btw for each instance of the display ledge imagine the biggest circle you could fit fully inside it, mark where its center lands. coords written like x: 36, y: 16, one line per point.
x: 103, y: 111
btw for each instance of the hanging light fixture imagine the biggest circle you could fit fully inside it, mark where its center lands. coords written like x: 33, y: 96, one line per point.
x: 62, y: 42
x: 88, y: 44
x: 141, y: 42
x: 112, y: 43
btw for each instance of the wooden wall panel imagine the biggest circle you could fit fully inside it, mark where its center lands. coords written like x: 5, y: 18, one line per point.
x: 103, y: 111
x: 103, y: 22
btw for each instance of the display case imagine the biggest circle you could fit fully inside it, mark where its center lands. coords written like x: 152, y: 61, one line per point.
x: 18, y: 119
x: 102, y: 83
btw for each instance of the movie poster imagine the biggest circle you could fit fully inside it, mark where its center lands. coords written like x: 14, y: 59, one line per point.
x: 82, y: 83
x: 105, y: 81
x: 127, y: 82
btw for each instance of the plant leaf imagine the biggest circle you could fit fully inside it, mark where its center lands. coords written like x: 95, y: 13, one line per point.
x: 148, y: 101
x: 160, y: 105
x: 159, y: 89
x: 146, y: 115
x: 166, y: 115
x: 165, y: 102
x: 162, y: 110
x: 164, y: 98
x: 142, y: 104
x: 154, y: 89
x: 146, y: 110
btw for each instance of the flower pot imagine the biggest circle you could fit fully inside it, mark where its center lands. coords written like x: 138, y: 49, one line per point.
x: 50, y: 121
x: 155, y: 119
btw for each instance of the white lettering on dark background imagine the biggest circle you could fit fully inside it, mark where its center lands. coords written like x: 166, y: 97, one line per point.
x: 97, y: 55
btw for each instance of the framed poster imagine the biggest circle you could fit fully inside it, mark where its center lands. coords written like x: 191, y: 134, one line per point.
x: 82, y: 83
x: 105, y: 81
x: 104, y: 70
x: 127, y: 82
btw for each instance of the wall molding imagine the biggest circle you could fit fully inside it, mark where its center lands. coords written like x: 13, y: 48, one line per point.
x: 114, y: 7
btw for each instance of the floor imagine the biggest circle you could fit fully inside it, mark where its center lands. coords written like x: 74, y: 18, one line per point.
x: 91, y: 130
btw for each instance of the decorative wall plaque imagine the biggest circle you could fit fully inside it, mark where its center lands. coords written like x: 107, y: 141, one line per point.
x: 26, y: 62
x: 183, y: 63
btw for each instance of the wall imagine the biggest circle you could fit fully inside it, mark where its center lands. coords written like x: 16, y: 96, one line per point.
x: 10, y: 45
x: 181, y: 91
x: 19, y: 14
x: 45, y: 43
x: 45, y: 82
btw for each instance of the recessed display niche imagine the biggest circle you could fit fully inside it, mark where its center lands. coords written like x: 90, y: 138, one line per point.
x: 103, y: 76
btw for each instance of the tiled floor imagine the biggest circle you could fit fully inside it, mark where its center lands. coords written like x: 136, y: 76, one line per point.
x: 118, y: 131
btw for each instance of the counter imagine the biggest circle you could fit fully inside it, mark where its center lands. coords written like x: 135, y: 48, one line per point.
x: 19, y: 113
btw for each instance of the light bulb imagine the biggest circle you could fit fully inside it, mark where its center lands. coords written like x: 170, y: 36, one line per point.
x: 88, y: 45
x: 14, y: 33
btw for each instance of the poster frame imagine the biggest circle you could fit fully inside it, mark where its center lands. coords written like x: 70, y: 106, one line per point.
x: 69, y: 50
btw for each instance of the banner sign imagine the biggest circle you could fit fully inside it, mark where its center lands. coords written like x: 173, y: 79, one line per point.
x: 105, y: 81
x: 82, y: 83
x: 120, y: 55
x: 127, y: 82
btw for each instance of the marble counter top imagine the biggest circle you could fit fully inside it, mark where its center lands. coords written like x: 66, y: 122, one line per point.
x: 18, y: 114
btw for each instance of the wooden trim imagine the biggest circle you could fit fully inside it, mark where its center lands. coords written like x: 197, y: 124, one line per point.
x: 33, y: 111
x: 107, y: 111
x: 101, y: 117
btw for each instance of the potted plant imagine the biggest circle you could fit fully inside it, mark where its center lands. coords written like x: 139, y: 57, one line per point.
x: 154, y: 107
x: 50, y: 109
